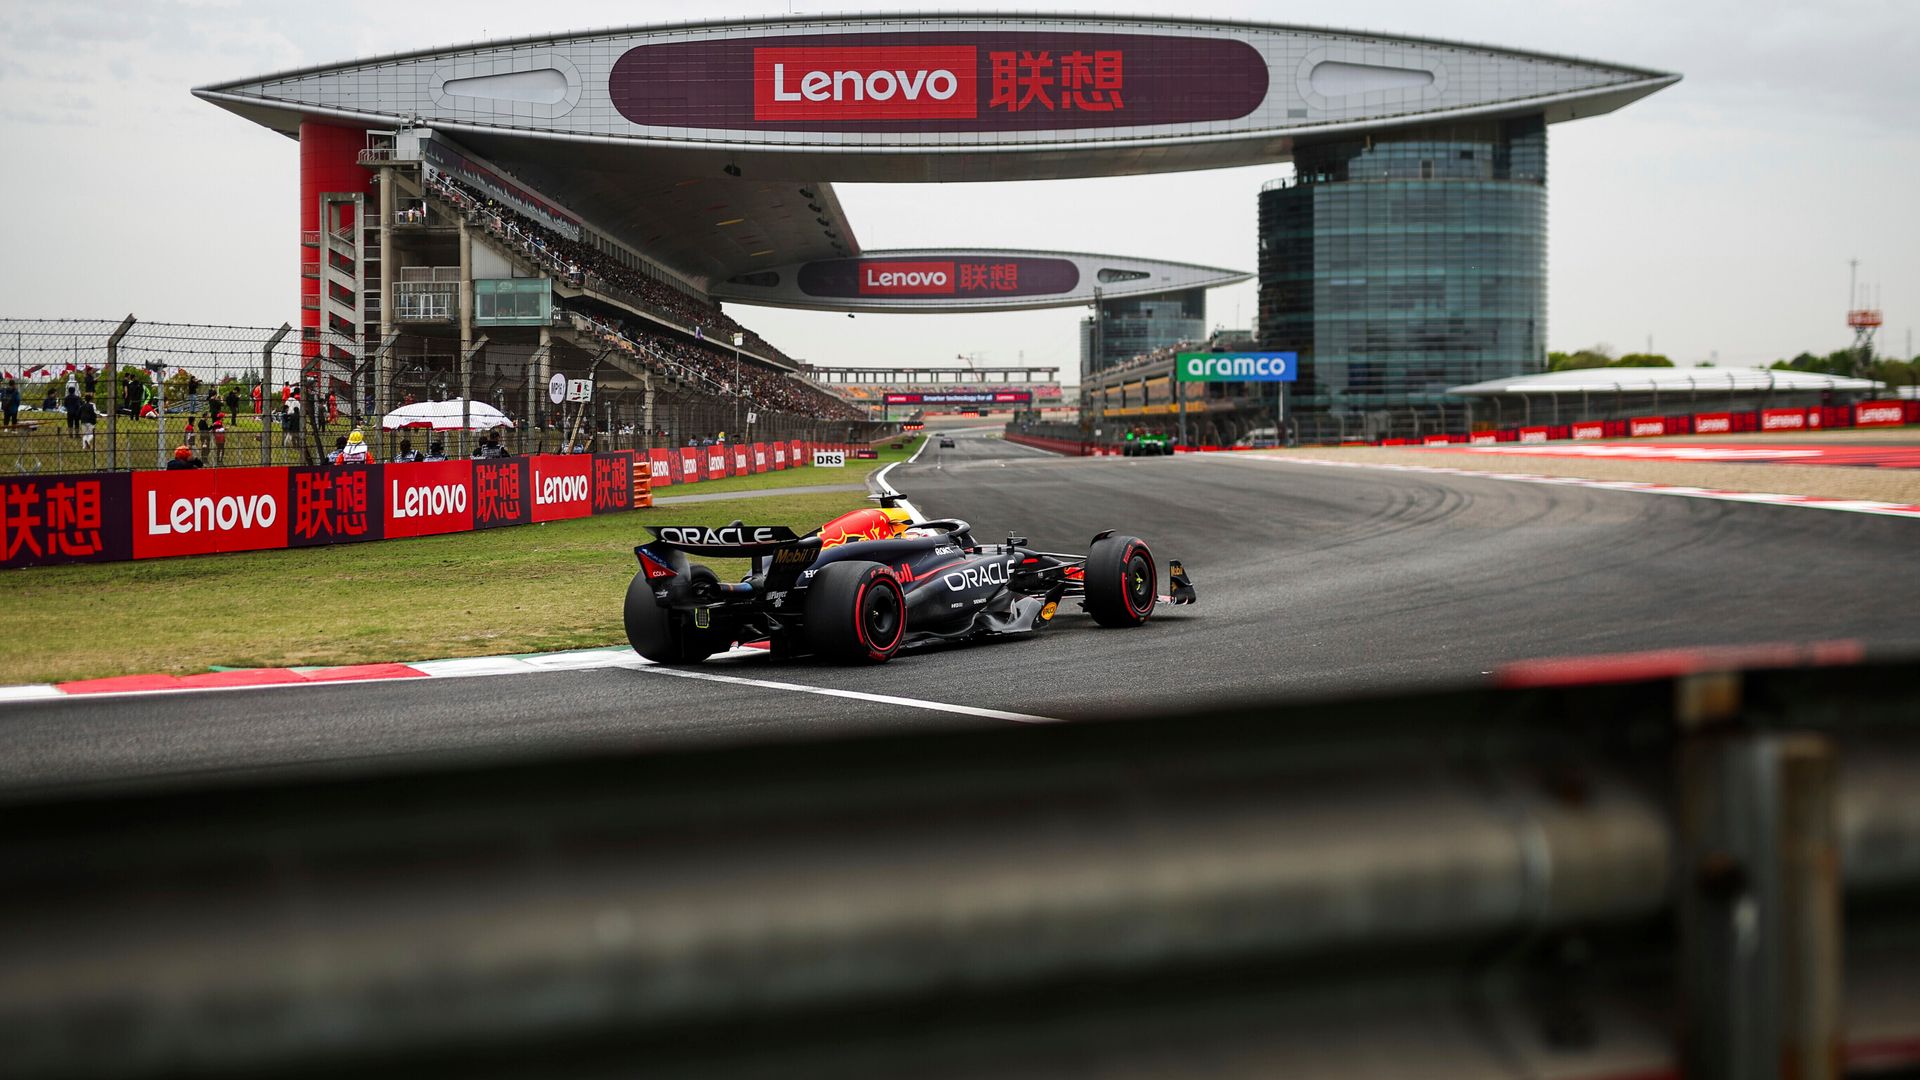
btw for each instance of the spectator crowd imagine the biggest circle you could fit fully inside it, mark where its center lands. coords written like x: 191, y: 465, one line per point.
x: 581, y: 266
x: 713, y: 369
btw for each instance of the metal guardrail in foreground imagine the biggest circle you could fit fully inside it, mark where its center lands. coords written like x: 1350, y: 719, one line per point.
x: 1537, y: 880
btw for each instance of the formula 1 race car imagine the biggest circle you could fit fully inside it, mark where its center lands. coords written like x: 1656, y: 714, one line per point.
x: 872, y: 582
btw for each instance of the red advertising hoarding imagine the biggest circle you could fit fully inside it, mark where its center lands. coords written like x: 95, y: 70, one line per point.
x: 1641, y: 426
x: 662, y: 463
x: 779, y: 451
x: 48, y: 520
x: 334, y: 504
x: 1712, y: 423
x: 742, y: 460
x: 1589, y: 430
x: 714, y: 460
x: 1879, y: 414
x: 1534, y: 434
x: 562, y: 486
x: 1783, y: 419
x: 612, y: 481
x: 198, y: 511
x: 690, y: 458
x: 502, y: 493
x: 760, y: 463
x: 427, y: 498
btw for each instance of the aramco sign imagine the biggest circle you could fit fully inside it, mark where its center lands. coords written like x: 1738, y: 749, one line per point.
x: 1237, y: 367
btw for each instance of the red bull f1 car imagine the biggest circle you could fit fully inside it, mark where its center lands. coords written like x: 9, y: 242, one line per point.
x: 872, y: 582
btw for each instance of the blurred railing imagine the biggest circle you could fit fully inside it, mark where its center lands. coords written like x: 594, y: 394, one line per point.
x: 1607, y: 869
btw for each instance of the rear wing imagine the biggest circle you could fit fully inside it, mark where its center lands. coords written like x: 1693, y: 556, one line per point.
x: 735, y: 541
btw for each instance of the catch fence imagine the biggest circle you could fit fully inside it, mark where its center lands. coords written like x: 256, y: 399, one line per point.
x: 100, y: 395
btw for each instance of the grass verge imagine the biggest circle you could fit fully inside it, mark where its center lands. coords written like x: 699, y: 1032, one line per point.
x: 527, y: 589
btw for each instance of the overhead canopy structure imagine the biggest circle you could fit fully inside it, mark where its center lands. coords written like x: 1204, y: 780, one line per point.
x: 1636, y: 380
x: 712, y: 146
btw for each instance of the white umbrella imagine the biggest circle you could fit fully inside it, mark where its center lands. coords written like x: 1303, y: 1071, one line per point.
x: 444, y: 416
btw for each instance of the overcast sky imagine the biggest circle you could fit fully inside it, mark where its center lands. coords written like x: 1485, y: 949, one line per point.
x: 1716, y: 217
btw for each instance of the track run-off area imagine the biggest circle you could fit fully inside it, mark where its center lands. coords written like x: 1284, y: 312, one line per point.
x: 1313, y: 581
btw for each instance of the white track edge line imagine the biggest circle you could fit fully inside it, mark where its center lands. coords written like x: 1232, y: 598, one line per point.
x: 857, y: 695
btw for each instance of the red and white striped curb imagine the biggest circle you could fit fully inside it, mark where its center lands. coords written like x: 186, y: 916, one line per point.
x: 1856, y: 506
x: 257, y: 678
x: 472, y: 667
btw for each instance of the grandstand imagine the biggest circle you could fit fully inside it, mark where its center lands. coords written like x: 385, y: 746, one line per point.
x: 435, y: 274
x: 868, y: 387
x: 1139, y: 393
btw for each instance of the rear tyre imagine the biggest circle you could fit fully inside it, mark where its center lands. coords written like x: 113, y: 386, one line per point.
x: 663, y: 635
x: 1122, y: 581
x: 856, y: 613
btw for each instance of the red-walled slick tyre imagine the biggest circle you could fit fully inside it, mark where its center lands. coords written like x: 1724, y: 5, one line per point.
x: 1122, y: 581
x: 856, y: 613
x: 663, y: 636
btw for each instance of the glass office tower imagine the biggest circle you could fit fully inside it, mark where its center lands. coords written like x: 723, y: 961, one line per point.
x: 1132, y: 326
x: 1403, y: 263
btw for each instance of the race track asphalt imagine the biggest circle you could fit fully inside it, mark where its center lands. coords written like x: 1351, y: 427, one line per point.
x: 1313, y: 580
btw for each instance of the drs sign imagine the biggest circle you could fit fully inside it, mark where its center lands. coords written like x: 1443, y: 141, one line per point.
x: 1237, y: 367
x: 829, y: 459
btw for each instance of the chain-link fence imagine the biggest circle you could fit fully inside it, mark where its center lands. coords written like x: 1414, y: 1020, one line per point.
x: 81, y: 395
x: 84, y: 395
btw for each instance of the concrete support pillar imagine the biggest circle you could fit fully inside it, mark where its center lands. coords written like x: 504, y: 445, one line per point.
x: 646, y: 407
x: 466, y: 335
x: 1759, y: 906
x: 382, y: 374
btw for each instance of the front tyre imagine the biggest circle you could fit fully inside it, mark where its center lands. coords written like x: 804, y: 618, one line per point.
x: 661, y: 634
x: 856, y: 613
x: 1121, y: 580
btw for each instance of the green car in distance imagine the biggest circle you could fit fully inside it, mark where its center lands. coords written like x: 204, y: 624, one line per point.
x: 1147, y: 444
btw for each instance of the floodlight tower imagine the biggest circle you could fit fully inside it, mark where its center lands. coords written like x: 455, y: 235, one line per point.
x: 1863, y: 319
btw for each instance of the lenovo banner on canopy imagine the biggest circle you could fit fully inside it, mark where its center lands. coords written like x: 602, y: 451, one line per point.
x: 946, y: 80
x: 959, y: 276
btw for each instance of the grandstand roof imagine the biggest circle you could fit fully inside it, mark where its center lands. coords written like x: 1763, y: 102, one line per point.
x: 712, y: 145
x: 1629, y: 380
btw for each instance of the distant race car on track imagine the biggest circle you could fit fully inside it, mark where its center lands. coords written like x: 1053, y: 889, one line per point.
x: 946, y: 442
x: 872, y: 582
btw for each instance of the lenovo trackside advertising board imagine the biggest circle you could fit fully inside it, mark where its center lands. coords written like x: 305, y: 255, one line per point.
x: 196, y: 511
x: 612, y: 481
x: 428, y: 498
x: 947, y: 80
x: 46, y: 520
x: 334, y: 504
x: 562, y: 486
x: 502, y: 493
